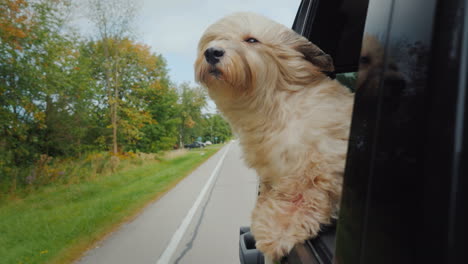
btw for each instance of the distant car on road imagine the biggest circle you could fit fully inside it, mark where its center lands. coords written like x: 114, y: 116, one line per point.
x: 207, y: 143
x: 195, y: 144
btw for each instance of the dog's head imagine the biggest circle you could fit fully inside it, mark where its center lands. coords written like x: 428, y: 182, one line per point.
x: 246, y: 53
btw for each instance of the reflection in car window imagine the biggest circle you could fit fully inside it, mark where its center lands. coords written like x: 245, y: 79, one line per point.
x: 384, y: 156
x: 348, y: 79
x: 357, y: 173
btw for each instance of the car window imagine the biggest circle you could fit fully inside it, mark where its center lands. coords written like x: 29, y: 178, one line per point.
x: 336, y: 29
x: 385, y: 141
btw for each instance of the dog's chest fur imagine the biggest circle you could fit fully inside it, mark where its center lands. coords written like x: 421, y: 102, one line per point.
x: 280, y: 137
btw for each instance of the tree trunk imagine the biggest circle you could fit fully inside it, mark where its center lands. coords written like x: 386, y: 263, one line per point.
x: 112, y: 98
x: 115, y: 105
x: 47, y: 132
x: 114, y: 129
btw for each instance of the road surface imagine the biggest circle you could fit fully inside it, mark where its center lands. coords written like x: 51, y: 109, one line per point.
x: 196, y: 222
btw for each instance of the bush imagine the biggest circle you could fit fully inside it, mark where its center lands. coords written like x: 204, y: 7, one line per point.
x: 49, y: 170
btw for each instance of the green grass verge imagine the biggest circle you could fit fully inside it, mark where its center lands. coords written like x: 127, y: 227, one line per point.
x: 58, y: 223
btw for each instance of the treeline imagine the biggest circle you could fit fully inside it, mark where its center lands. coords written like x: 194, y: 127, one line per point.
x: 64, y: 95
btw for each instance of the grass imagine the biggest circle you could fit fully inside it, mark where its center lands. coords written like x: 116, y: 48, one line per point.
x: 59, y: 222
x: 21, y: 181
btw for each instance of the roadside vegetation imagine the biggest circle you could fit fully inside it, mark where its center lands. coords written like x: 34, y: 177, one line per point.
x: 85, y: 125
x: 57, y: 223
x: 75, y: 105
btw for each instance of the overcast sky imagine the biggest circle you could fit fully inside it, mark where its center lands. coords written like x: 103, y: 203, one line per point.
x: 173, y: 27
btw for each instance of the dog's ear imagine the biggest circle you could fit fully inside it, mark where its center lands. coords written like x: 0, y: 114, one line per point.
x: 316, y: 56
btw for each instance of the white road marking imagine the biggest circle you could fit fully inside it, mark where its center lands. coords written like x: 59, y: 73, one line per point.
x: 177, y: 237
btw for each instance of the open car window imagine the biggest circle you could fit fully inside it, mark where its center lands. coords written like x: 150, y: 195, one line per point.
x: 337, y: 29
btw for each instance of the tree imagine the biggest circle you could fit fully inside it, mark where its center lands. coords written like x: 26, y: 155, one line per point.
x: 216, y: 129
x: 14, y: 30
x: 113, y: 19
x: 14, y: 23
x: 163, y: 133
x: 70, y: 108
x: 147, y: 106
x: 62, y: 95
x: 191, y: 102
x: 34, y: 71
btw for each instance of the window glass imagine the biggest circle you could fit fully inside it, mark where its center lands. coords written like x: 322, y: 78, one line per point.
x: 357, y: 173
x: 382, y: 189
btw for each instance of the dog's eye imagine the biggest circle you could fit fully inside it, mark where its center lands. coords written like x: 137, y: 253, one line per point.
x: 251, y: 40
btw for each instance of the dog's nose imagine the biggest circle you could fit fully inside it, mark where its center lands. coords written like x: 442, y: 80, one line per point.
x: 213, y: 54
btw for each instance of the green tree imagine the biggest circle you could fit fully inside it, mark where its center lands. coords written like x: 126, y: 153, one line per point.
x: 216, y: 128
x: 191, y: 102
x: 162, y: 134
x: 62, y: 95
x: 36, y: 68
x: 69, y: 100
x: 113, y: 20
x: 46, y: 87
x: 148, y: 112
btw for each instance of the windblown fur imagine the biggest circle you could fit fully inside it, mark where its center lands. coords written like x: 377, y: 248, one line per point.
x: 292, y: 122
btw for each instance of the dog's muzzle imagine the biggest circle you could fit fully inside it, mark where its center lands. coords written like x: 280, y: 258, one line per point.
x: 213, y: 54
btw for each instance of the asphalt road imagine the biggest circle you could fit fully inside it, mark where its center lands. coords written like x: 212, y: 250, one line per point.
x: 196, y: 222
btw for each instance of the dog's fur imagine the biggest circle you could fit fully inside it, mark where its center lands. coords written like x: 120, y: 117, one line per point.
x: 292, y: 122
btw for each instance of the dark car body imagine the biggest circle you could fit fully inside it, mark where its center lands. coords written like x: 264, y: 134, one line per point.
x: 195, y: 145
x: 405, y: 184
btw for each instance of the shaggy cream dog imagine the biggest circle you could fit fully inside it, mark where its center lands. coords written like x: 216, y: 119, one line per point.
x: 292, y: 121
